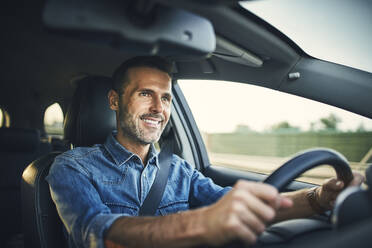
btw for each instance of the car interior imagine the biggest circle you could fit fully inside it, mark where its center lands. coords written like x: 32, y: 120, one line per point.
x: 86, y: 129
x: 64, y: 52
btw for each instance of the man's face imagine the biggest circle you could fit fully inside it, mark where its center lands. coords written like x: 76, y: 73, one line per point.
x: 145, y: 105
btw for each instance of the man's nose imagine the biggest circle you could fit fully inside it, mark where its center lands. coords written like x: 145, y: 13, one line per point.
x: 157, y: 105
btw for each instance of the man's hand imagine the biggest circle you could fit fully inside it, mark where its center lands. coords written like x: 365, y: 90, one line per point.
x: 328, y: 192
x: 242, y: 213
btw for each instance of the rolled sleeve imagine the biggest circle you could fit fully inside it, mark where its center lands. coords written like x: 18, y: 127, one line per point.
x: 97, y: 228
x: 204, y: 191
x: 84, y: 215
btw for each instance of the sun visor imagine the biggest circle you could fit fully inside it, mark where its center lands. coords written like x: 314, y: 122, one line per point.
x: 154, y: 29
x: 230, y: 52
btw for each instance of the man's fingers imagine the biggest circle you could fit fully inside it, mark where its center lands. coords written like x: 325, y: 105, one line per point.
x: 337, y: 185
x: 285, y: 202
x: 260, y: 198
x: 246, y: 235
x: 357, y: 180
x: 333, y: 184
x: 251, y: 203
x: 262, y: 191
x: 257, y: 206
x: 248, y: 218
x: 330, y: 189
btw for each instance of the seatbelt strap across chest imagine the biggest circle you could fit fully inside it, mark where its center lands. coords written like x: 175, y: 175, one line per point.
x: 153, y: 198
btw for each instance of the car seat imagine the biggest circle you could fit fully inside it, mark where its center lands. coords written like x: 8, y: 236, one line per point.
x: 19, y: 147
x: 88, y: 121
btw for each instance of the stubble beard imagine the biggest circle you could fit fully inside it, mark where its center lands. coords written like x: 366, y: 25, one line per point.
x: 130, y: 129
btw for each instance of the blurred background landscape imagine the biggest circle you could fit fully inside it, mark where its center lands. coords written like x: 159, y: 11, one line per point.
x: 263, y: 152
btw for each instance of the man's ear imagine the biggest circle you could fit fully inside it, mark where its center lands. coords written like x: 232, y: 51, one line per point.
x: 113, y: 98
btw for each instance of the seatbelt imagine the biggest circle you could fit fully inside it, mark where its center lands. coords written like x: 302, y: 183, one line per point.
x: 153, y: 198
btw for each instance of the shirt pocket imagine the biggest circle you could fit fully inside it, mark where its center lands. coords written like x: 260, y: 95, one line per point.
x: 110, y: 176
x: 117, y: 192
x: 174, y: 207
x: 120, y: 208
x: 111, y: 179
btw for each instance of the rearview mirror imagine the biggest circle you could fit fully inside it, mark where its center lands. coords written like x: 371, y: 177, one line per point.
x: 162, y: 31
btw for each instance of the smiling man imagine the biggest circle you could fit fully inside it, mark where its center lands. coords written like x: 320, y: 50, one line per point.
x: 142, y: 106
x: 99, y: 190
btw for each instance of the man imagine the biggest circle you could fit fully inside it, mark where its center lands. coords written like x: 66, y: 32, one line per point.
x: 98, y: 190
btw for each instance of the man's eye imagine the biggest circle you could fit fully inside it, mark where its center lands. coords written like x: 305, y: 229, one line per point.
x: 144, y: 94
x: 165, y: 99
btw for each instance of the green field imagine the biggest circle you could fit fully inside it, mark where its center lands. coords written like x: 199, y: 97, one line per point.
x: 354, y: 146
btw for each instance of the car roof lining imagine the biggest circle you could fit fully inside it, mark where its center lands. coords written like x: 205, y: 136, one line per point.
x: 330, y: 83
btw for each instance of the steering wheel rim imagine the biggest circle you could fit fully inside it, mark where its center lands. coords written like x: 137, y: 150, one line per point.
x: 307, y: 160
x: 294, y: 167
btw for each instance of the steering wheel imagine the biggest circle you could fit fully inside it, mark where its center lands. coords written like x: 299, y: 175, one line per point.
x: 307, y: 160
x: 283, y: 176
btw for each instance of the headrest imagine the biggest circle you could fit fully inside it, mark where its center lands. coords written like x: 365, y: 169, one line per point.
x: 19, y: 139
x: 89, y: 119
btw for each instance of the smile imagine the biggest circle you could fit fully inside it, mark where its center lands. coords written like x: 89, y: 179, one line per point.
x: 152, y: 122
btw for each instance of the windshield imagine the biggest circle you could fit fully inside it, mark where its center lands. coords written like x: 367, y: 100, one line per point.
x: 338, y: 31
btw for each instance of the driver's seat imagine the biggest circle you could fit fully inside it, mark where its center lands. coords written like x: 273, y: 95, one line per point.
x: 88, y: 121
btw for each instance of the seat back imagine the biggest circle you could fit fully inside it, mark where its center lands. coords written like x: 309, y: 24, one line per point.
x: 18, y: 147
x: 88, y: 121
x: 41, y: 224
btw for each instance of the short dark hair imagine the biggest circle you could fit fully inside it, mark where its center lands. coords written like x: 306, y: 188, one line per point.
x: 120, y: 76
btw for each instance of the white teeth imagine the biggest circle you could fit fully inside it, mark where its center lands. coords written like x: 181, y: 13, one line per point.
x: 151, y: 121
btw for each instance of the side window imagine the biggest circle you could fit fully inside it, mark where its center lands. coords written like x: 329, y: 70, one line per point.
x: 252, y: 128
x: 4, y: 118
x: 53, y: 121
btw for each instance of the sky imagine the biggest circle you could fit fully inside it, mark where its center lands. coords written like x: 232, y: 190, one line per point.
x: 335, y: 30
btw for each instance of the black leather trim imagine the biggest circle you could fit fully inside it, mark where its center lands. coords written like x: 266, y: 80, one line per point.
x: 41, y: 224
x: 285, y: 231
x: 89, y: 119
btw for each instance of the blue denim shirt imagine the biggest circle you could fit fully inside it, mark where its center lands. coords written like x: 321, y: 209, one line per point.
x: 93, y: 186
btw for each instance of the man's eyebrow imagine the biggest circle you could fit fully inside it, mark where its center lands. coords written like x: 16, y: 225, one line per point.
x: 167, y: 94
x: 145, y: 90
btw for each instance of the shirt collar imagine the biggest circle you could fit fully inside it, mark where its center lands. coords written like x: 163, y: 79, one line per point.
x: 121, y: 155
